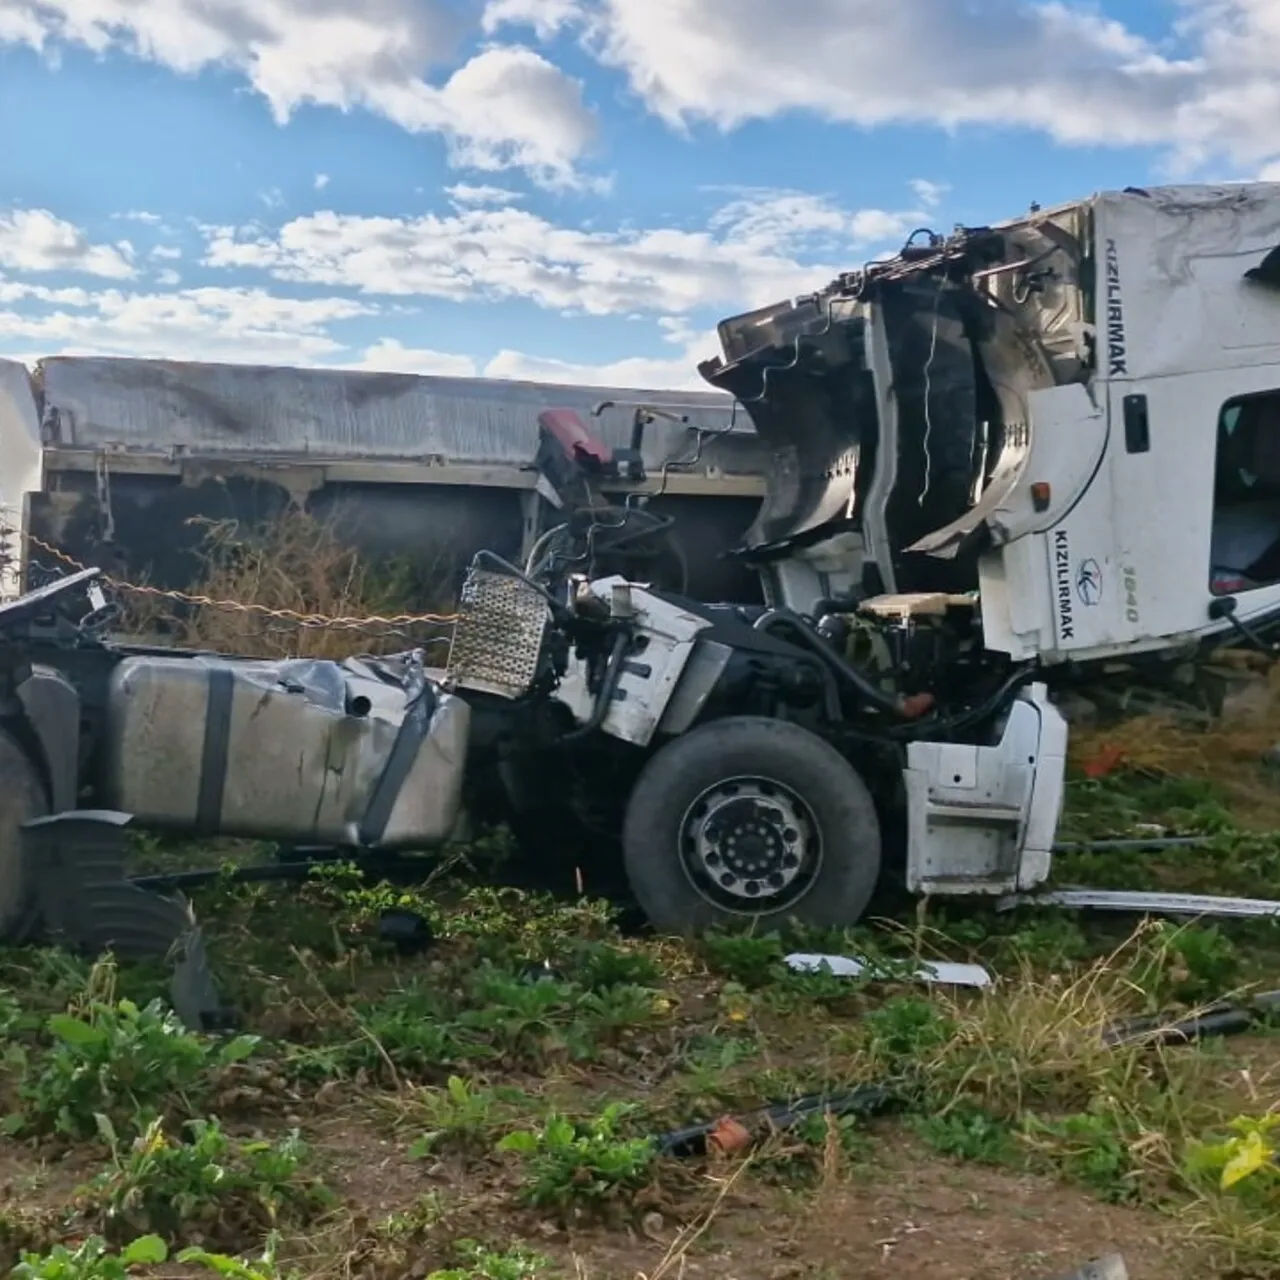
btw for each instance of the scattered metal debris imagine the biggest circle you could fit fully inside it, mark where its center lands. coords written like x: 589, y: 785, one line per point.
x: 1167, y: 904
x: 943, y: 972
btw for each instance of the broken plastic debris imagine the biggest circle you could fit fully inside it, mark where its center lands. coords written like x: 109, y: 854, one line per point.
x: 729, y: 1136
x: 1111, y: 1267
x: 948, y: 973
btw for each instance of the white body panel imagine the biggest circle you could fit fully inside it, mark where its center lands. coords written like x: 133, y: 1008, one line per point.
x: 649, y: 677
x: 981, y: 819
x: 1123, y: 563
x: 21, y: 458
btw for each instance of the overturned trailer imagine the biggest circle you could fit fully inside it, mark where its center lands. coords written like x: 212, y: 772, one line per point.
x: 109, y: 460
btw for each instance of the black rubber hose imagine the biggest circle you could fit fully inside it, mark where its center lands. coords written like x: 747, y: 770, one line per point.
x: 865, y: 1100
x: 612, y: 673
x: 789, y: 618
x: 981, y: 711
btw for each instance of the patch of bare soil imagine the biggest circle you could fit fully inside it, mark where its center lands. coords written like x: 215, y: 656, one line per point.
x: 917, y: 1218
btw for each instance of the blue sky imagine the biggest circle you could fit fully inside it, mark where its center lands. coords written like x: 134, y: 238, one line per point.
x: 560, y: 188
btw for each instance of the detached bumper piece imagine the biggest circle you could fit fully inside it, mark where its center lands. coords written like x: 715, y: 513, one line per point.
x: 75, y: 863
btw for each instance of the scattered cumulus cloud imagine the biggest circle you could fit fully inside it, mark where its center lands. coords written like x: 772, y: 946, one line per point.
x: 545, y: 17
x: 1205, y: 87
x: 392, y: 356
x: 930, y: 194
x: 756, y: 249
x: 506, y: 106
x: 677, y: 372
x: 321, y: 181
x: 37, y: 240
x: 466, y: 193
x: 238, y: 324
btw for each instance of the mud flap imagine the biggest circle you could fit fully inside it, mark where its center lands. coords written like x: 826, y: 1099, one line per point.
x: 75, y: 862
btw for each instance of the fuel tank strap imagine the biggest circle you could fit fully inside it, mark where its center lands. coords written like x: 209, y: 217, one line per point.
x: 213, y: 759
x: 400, y: 761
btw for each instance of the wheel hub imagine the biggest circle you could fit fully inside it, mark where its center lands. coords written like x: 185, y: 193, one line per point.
x: 749, y: 842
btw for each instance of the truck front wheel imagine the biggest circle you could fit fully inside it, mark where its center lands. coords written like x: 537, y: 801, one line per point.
x: 750, y: 820
x: 22, y: 798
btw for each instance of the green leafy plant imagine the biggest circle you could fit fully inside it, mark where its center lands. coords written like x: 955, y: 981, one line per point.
x: 264, y: 1267
x: 91, y: 1260
x: 1243, y: 1163
x: 589, y: 1162
x: 753, y: 961
x: 229, y: 1190
x: 479, y: 1262
x: 1089, y: 1146
x: 1186, y: 963
x: 969, y: 1133
x: 119, y: 1060
x: 907, y: 1028
x: 461, y: 1115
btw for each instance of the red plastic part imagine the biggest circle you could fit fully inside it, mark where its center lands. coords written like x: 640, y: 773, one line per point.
x: 575, y: 437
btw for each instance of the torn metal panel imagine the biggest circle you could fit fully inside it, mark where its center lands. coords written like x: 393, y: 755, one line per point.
x: 1173, y: 297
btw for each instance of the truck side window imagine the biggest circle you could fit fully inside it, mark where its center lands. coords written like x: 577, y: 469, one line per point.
x: 1245, y: 551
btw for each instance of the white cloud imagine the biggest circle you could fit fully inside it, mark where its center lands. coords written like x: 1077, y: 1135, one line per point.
x: 36, y: 240
x: 930, y: 194
x: 756, y: 249
x: 467, y: 193
x: 166, y: 252
x: 321, y: 181
x: 168, y: 277
x: 392, y: 356
x: 675, y: 373
x: 1062, y: 67
x: 193, y: 324
x: 546, y: 17
x: 1270, y: 172
x: 506, y: 106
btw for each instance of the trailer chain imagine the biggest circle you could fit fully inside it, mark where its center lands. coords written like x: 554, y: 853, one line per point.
x: 293, y: 616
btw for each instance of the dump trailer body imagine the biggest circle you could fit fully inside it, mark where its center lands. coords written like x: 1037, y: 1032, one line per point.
x: 119, y: 456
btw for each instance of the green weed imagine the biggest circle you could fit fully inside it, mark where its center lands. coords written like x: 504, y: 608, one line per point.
x: 571, y: 1163
x: 479, y: 1262
x: 91, y: 1260
x: 462, y: 1116
x: 121, y: 1061
x: 228, y: 1190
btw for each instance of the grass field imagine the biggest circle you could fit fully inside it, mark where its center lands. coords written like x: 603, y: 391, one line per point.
x: 487, y: 1108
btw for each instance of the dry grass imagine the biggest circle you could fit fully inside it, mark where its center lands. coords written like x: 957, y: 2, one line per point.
x: 297, y: 565
x: 1227, y: 750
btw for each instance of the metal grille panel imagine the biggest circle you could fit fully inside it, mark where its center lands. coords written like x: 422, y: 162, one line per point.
x: 498, y: 638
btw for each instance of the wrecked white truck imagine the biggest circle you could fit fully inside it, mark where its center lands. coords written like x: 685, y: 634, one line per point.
x: 998, y: 456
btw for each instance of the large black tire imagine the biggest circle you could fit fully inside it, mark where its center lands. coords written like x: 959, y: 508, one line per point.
x: 670, y: 879
x: 22, y: 797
